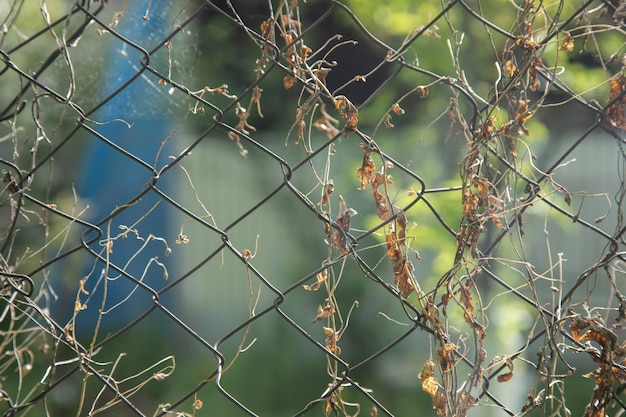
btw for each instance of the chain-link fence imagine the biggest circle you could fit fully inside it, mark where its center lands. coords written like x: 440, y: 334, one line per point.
x: 312, y: 208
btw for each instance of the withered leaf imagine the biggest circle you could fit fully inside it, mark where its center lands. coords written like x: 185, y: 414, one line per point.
x: 510, y: 68
x: 387, y: 121
x: 482, y: 186
x: 468, y: 314
x: 428, y: 370
x: 440, y: 404
x: 522, y: 115
x: 568, y: 198
x: 446, y: 360
x: 333, y: 347
x: 429, y: 382
x: 381, y: 206
x: 616, y: 108
x: 304, y: 52
x: 331, y: 340
x: 404, y: 280
x: 601, y: 394
x: 400, y: 227
x: 525, y: 42
x: 348, y: 112
x: 324, y: 311
x: 329, y: 188
x: 470, y: 204
x: 449, y: 346
x: 522, y: 110
x: 288, y: 81
x: 489, y: 127
x: 432, y: 312
x: 320, y: 76
x: 344, y: 219
x: 266, y: 28
x: 600, y: 334
x: 339, y: 242
x: 402, y: 269
x: 577, y: 325
x: 378, y: 179
x: 397, y: 109
x: 503, y: 377
x: 321, y: 277
x: 329, y: 332
x: 496, y: 221
x: 339, y: 239
x: 393, y: 251
x: 466, y: 299
x: 367, y: 167
x: 532, y: 74
x: 567, y: 43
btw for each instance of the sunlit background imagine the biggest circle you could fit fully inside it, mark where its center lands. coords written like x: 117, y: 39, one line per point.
x: 170, y: 254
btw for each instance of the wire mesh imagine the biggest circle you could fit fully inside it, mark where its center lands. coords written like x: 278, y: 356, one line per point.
x: 312, y: 208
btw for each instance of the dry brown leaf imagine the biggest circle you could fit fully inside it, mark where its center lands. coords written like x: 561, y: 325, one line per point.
x: 440, y: 404
x: 510, y: 68
x: 404, y: 280
x: 400, y: 225
x: 324, y: 311
x: 428, y: 379
x: 616, y: 108
x: 567, y: 43
x: 397, y: 109
x: 339, y: 239
x: 289, y: 81
x: 348, y: 112
x: 387, y: 121
x: 321, y: 277
x: 382, y: 210
x: 507, y: 375
x: 367, y: 167
x: 329, y: 188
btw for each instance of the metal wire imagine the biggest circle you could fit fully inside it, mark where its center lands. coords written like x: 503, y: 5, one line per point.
x: 168, y: 270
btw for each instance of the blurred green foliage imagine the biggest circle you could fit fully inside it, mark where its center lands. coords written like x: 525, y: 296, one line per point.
x: 425, y: 138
